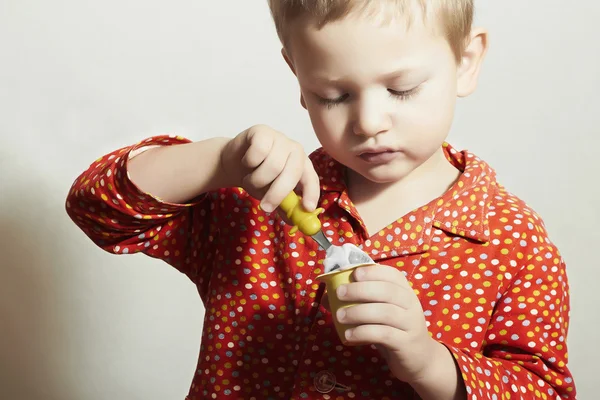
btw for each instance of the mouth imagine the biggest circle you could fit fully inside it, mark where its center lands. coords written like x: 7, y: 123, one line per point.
x: 379, y: 155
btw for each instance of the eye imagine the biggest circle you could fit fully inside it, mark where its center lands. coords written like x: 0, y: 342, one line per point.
x: 333, y: 102
x: 404, y: 94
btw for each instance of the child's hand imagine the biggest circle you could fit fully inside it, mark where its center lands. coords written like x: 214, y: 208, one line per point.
x: 390, y: 316
x: 269, y: 166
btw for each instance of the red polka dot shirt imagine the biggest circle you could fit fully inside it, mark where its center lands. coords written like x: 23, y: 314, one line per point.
x: 492, y: 285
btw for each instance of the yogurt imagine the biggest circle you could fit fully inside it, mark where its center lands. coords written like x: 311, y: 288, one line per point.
x: 345, y: 257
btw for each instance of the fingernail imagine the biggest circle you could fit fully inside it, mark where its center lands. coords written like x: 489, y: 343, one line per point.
x: 341, y: 314
x: 341, y: 291
x: 359, y: 273
x: 266, y: 207
x: 349, y: 333
x: 310, y: 206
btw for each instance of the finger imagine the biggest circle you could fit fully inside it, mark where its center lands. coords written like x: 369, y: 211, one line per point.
x: 268, y: 170
x: 376, y: 292
x: 374, y: 313
x: 285, y: 182
x: 382, y: 273
x: 387, y: 336
x: 259, y: 147
x: 310, y: 186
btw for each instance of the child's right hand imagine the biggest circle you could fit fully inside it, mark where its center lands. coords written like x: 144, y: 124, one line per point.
x: 269, y: 165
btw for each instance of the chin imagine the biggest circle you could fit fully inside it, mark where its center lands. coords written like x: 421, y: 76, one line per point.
x: 384, y: 174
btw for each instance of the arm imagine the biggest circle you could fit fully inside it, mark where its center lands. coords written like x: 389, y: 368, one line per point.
x: 178, y: 174
x: 123, y: 218
x: 163, y: 202
x: 525, y: 353
x: 263, y: 161
x: 443, y: 380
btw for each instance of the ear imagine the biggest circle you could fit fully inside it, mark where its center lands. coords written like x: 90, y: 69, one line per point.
x: 472, y: 59
x: 291, y: 65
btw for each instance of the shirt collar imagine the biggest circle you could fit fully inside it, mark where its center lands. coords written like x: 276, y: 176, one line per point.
x: 463, y: 210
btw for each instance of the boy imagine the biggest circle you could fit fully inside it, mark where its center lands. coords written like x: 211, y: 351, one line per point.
x: 469, y: 299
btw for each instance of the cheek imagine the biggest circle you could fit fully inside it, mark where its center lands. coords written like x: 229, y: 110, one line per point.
x: 431, y: 115
x: 329, y: 125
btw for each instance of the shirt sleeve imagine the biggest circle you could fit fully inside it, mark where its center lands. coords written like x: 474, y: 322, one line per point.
x: 121, y: 219
x: 525, y: 351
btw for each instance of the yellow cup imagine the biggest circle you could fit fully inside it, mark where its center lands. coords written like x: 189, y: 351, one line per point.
x: 333, y: 280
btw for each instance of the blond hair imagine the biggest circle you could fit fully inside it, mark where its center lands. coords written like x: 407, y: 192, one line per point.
x: 456, y: 16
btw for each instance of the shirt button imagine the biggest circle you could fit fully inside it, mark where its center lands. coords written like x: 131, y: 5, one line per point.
x: 324, y: 381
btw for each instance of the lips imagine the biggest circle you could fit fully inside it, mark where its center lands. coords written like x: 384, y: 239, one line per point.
x: 379, y: 155
x: 376, y: 150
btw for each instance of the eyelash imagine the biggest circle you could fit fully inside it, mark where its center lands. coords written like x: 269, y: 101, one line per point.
x: 400, y: 95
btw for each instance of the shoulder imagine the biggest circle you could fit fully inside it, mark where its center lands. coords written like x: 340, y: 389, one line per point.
x: 517, y: 228
x: 513, y: 214
x: 512, y: 223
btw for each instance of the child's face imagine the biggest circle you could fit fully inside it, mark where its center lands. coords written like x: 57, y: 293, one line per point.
x: 373, y: 87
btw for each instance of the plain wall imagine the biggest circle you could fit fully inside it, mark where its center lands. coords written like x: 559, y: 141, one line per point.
x: 79, y: 78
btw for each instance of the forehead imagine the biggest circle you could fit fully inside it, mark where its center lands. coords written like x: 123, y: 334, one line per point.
x: 361, y: 44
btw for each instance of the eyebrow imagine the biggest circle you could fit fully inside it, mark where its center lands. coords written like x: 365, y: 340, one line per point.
x: 400, y: 72
x: 397, y: 73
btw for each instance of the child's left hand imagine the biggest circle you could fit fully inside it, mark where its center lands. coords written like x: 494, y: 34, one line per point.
x: 389, y: 315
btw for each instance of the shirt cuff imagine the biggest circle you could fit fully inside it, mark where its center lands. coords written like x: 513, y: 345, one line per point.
x: 147, y: 205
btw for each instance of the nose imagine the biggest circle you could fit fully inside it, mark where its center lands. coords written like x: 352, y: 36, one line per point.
x: 371, y: 117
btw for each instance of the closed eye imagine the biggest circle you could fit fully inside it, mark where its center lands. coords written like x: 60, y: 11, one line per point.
x: 398, y: 94
x: 404, y: 94
x: 333, y: 102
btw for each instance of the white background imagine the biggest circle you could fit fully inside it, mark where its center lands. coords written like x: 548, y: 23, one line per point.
x: 79, y: 78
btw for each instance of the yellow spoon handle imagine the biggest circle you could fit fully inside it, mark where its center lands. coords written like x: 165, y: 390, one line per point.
x: 304, y: 221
